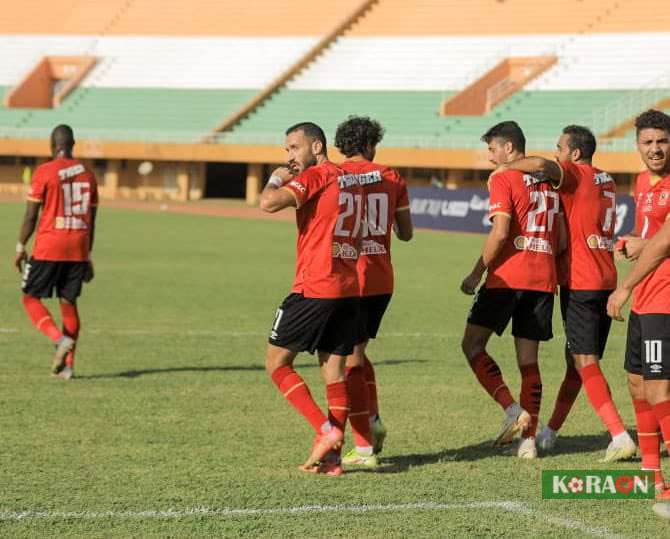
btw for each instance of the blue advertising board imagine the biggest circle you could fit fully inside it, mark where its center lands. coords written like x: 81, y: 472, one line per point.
x: 466, y: 210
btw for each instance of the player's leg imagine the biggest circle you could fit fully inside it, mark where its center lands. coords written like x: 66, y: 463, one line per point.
x: 648, y: 429
x: 531, y: 394
x: 569, y: 390
x: 68, y: 288
x: 655, y: 329
x: 491, y: 312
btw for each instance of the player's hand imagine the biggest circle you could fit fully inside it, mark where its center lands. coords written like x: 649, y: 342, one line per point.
x: 633, y: 247
x: 284, y: 173
x: 620, y: 250
x: 470, y: 283
x: 616, y: 301
x: 90, y: 273
x: 19, y: 260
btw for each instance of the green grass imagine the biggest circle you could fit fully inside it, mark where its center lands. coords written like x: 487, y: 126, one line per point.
x: 173, y: 410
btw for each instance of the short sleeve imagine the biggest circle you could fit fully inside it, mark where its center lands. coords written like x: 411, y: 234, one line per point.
x: 570, y: 177
x: 403, y: 196
x: 500, y: 196
x: 38, y: 187
x: 306, y: 185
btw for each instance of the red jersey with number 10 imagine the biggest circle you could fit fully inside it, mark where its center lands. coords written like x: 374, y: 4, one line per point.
x: 652, y: 209
x: 385, y: 193
x: 329, y: 217
x: 589, y: 200
x: 526, y: 261
x: 68, y: 192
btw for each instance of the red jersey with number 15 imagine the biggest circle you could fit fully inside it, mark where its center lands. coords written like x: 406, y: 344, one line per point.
x: 526, y: 261
x: 589, y: 200
x: 652, y: 209
x: 67, y: 192
x: 385, y: 193
x: 329, y: 218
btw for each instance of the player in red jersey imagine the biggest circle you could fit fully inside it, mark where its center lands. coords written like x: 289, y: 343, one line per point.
x: 588, y: 197
x: 387, y: 208
x: 321, y: 312
x: 521, y: 279
x: 648, y: 341
x: 67, y: 193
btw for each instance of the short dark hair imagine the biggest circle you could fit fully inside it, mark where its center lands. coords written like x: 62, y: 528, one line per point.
x: 581, y: 138
x: 652, y: 119
x: 62, y: 137
x: 356, y: 134
x: 311, y: 130
x: 509, y: 131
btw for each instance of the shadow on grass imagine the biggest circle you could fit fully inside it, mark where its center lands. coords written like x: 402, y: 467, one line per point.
x: 565, y: 445
x: 230, y: 368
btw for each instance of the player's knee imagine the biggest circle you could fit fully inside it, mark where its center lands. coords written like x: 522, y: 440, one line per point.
x: 471, y: 347
x: 656, y: 391
x: 636, y: 387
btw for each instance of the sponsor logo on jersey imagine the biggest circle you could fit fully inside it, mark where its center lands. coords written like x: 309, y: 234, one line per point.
x: 371, y: 247
x: 537, y: 245
x: 344, y: 250
x: 602, y: 177
x: 599, y: 242
x: 71, y: 172
x: 300, y: 187
x: 529, y: 180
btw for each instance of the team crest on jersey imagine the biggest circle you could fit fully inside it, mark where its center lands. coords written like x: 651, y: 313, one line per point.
x: 663, y: 198
x: 344, y: 250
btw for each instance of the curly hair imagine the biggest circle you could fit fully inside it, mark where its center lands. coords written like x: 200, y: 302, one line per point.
x: 652, y: 119
x: 356, y: 134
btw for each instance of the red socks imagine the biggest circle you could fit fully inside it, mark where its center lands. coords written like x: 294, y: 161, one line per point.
x: 566, y: 398
x: 598, y: 392
x: 357, y: 389
x: 648, y: 438
x: 71, y: 327
x: 491, y: 379
x: 41, y: 317
x: 531, y: 395
x: 373, y: 402
x: 338, y: 404
x: 295, y: 390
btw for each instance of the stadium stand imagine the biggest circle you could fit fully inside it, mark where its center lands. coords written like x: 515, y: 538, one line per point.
x: 212, y: 81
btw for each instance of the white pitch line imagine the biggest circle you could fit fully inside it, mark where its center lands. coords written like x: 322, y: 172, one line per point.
x: 509, y: 506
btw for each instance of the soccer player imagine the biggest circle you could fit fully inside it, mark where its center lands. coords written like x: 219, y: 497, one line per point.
x: 518, y: 257
x: 648, y: 340
x: 588, y: 197
x: 320, y: 313
x: 387, y: 208
x: 67, y: 194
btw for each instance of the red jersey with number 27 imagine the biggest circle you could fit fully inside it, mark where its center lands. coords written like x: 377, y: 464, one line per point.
x: 652, y: 209
x: 67, y: 192
x: 589, y: 200
x: 329, y: 217
x: 385, y: 193
x: 526, y: 261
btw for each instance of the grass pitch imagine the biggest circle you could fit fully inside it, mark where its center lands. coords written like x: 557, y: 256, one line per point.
x: 173, y: 429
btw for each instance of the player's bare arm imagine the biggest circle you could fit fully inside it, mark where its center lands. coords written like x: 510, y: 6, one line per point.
x: 274, y: 197
x: 403, y: 227
x: 91, y: 272
x: 538, y: 166
x: 27, y: 228
x: 494, y: 244
x: 651, y: 256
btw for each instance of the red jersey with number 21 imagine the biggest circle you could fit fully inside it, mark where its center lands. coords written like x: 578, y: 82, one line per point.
x: 526, y: 261
x: 652, y: 209
x: 329, y: 217
x: 385, y: 193
x: 67, y: 191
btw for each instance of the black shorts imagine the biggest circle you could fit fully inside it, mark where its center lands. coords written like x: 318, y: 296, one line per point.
x: 648, y: 346
x: 585, y: 320
x: 41, y: 277
x: 307, y: 324
x: 530, y: 311
x: 372, y: 309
